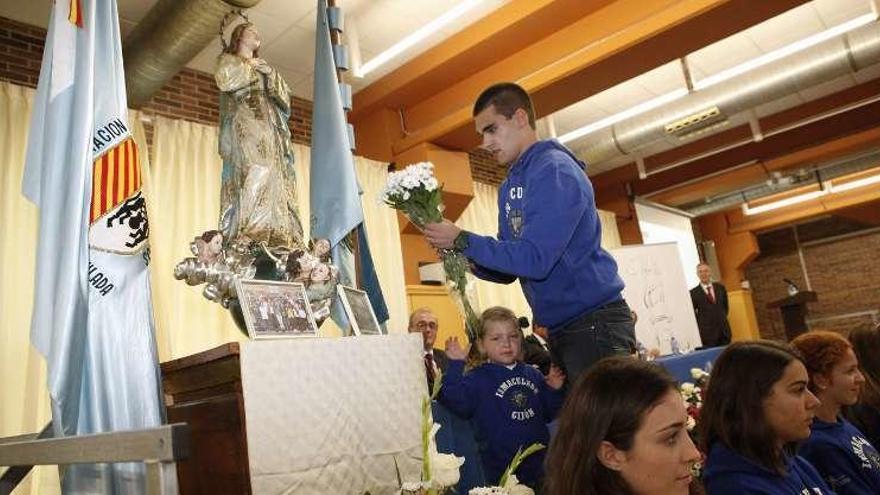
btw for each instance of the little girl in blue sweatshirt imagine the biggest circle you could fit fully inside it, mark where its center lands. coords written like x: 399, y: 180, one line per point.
x: 510, y: 402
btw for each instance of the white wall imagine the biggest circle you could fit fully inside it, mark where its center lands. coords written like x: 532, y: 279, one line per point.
x: 660, y: 225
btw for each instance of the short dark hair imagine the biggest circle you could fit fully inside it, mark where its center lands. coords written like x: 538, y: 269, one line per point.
x: 506, y: 97
x: 733, y: 407
x: 599, y: 409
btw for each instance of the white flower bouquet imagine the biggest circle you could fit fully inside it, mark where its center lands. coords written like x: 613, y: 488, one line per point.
x: 692, y: 394
x: 417, y: 193
x: 440, y: 472
x: 508, y: 484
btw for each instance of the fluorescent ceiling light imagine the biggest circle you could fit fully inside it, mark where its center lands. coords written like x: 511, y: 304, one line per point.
x: 846, y: 186
x: 831, y: 189
x: 785, y: 51
x: 783, y: 202
x: 630, y: 112
x: 417, y: 36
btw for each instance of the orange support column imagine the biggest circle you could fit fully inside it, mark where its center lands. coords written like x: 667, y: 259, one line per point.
x: 734, y: 251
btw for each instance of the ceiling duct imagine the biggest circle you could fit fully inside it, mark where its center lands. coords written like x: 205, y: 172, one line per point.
x: 706, y: 111
x: 168, y: 37
x: 827, y: 171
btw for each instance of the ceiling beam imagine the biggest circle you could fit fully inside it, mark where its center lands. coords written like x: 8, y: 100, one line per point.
x: 602, y: 44
x: 510, y: 28
x: 823, y: 205
x: 755, y: 172
x: 746, y: 164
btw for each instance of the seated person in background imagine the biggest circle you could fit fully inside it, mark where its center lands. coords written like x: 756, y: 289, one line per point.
x: 623, y: 430
x: 755, y: 409
x: 424, y: 321
x: 536, y: 350
x: 865, y: 414
x: 838, y: 450
x: 510, y: 402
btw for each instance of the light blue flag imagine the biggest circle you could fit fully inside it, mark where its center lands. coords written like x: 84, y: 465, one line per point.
x: 92, y: 317
x: 335, y: 195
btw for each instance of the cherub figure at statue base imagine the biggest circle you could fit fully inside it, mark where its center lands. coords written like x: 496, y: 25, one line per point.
x: 219, y: 267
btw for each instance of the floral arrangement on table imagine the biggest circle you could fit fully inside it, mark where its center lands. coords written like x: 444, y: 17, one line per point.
x: 692, y: 393
x: 440, y: 472
x: 417, y: 193
x: 508, y: 484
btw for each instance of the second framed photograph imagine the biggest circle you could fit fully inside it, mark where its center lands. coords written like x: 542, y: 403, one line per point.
x: 276, y: 309
x: 359, y: 311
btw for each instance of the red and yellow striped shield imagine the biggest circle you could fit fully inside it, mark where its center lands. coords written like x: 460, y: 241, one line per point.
x: 116, y: 176
x: 75, y: 15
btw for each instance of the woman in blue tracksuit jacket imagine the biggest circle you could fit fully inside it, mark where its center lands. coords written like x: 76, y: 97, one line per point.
x: 840, y: 452
x: 756, y: 408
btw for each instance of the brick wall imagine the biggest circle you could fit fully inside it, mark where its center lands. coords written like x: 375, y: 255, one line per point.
x: 843, y: 271
x: 21, y: 51
x: 189, y: 95
x: 485, y: 169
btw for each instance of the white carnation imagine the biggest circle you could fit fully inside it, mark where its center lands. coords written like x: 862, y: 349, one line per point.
x: 430, y: 183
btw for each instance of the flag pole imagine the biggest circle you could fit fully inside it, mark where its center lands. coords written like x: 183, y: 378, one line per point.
x: 336, y: 39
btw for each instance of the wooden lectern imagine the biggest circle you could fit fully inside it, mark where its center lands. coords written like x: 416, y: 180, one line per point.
x: 204, y: 390
x: 794, y: 312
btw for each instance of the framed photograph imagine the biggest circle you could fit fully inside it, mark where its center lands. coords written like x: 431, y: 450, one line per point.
x: 275, y: 310
x: 359, y: 311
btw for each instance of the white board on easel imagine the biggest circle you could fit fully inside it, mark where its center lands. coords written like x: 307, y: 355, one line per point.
x: 657, y: 291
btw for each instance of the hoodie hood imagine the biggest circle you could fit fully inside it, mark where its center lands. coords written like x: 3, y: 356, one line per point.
x: 545, y: 145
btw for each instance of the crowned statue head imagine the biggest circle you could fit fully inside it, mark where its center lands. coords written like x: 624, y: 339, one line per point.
x: 244, y: 41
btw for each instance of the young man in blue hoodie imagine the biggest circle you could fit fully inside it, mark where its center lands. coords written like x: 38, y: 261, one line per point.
x: 548, y: 236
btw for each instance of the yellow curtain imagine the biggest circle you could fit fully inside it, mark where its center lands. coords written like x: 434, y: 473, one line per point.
x: 182, y: 186
x: 481, y: 216
x: 184, y: 200
x: 383, y: 234
x: 24, y: 399
x: 610, y: 234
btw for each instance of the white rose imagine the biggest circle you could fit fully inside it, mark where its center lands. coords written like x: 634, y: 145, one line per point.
x: 445, y: 470
x: 697, y: 373
x: 687, y: 388
x: 691, y: 423
x: 512, y: 487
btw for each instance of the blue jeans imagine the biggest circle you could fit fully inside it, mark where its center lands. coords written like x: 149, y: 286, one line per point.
x: 580, y: 343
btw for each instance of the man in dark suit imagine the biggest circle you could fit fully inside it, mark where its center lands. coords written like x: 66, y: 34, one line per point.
x: 710, y: 306
x: 536, y: 350
x: 424, y: 321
